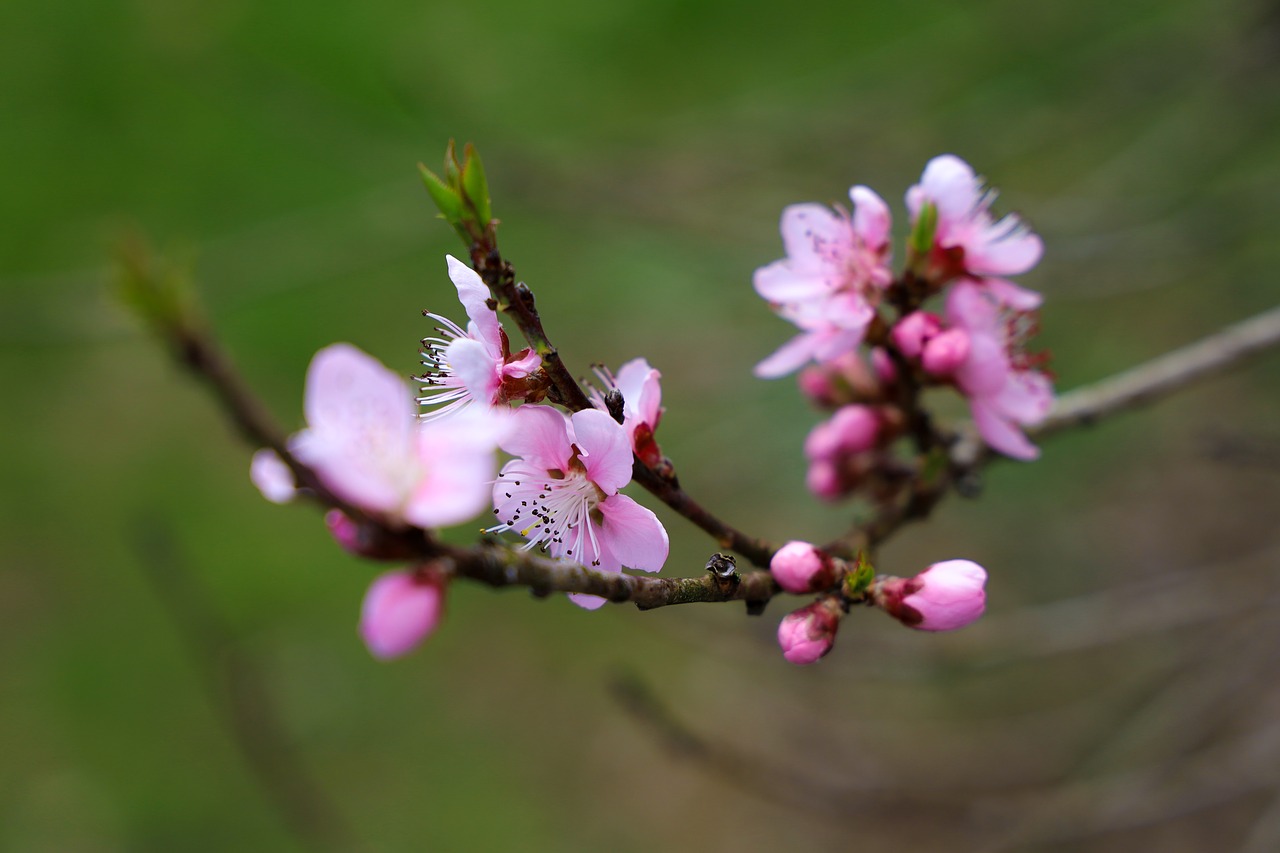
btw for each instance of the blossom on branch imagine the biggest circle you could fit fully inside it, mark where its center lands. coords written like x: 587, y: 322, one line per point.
x: 561, y: 494
x: 475, y: 364
x: 1005, y: 384
x: 830, y: 281
x: 639, y: 385
x: 810, y: 632
x: 966, y: 238
x: 366, y: 444
x: 944, y: 597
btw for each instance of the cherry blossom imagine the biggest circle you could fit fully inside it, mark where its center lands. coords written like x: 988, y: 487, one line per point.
x: 638, y: 383
x: 830, y: 281
x: 1004, y: 383
x: 562, y: 493
x: 365, y: 443
x: 966, y: 237
x: 472, y: 364
x: 944, y: 597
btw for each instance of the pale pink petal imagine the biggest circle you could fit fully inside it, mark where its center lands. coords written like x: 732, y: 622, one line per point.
x: 632, y: 534
x: 813, y: 235
x: 1026, y: 398
x: 398, y: 612
x: 518, y: 368
x: 1010, y: 294
x: 272, y: 477
x: 588, y: 602
x: 606, y: 449
x: 780, y: 282
x: 834, y: 343
x: 640, y: 388
x: 457, y: 456
x: 473, y: 293
x: 1009, y: 253
x: 540, y: 434
x: 946, y: 352
x: 971, y: 307
x: 951, y: 185
x: 1001, y: 434
x: 476, y: 368
x: 950, y: 595
x: 789, y: 356
x: 871, y: 217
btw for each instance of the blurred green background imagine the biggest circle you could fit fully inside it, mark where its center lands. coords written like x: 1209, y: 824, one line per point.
x: 156, y: 614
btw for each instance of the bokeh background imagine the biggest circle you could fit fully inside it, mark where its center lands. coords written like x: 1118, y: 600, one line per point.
x: 179, y: 668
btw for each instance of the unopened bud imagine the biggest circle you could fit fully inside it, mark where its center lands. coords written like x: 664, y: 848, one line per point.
x: 913, y: 331
x: 799, y: 567
x: 944, y: 597
x: 945, y: 352
x: 810, y: 632
x: 344, y: 531
x: 400, y: 610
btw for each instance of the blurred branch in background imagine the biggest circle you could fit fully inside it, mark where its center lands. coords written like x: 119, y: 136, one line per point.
x: 239, y: 695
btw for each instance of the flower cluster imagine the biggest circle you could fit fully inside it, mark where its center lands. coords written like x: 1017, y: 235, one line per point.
x: 371, y: 448
x: 870, y: 343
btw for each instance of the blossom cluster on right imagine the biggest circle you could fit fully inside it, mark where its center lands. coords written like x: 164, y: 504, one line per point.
x: 863, y: 331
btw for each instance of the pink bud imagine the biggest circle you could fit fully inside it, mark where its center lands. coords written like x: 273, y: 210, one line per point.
x: 345, y: 531
x: 856, y: 428
x: 808, y: 633
x: 884, y: 366
x: 944, y: 597
x: 913, y: 331
x: 815, y: 383
x: 399, y: 611
x: 823, y: 479
x: 800, y: 567
x: 945, y: 352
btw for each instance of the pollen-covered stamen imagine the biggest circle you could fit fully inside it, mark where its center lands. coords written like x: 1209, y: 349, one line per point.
x: 443, y: 392
x: 554, y: 510
x: 1019, y: 328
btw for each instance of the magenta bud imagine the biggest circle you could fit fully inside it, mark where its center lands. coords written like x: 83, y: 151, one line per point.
x: 945, y: 352
x: 400, y: 610
x: 344, y: 531
x: 856, y: 427
x: 816, y: 384
x: 823, y: 479
x: 913, y: 331
x: 944, y: 597
x: 809, y: 633
x: 883, y: 365
x: 799, y: 567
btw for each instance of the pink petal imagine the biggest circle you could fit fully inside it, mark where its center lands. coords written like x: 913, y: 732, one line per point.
x: 588, y: 602
x: 781, y: 282
x: 1009, y: 253
x: 1000, y: 433
x: 871, y: 217
x: 519, y: 368
x: 473, y: 293
x: 272, y: 477
x: 540, y: 434
x: 1026, y: 398
x: 633, y: 534
x: 476, y: 368
x: 1010, y: 294
x: 641, y: 390
x: 606, y: 449
x: 951, y: 185
x: 789, y: 356
x: 813, y: 234
x: 457, y: 455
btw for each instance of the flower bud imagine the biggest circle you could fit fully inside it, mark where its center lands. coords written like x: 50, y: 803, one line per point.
x: 808, y: 633
x: 823, y: 479
x: 400, y: 609
x: 800, y: 567
x: 945, y: 352
x: 944, y: 597
x: 913, y: 331
x: 883, y: 365
x: 817, y: 384
x: 850, y: 430
x: 273, y: 478
x: 344, y: 531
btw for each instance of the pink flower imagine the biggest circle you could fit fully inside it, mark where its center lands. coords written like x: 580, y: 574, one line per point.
x: 944, y: 597
x: 638, y: 383
x: 810, y: 632
x: 399, y: 611
x: 476, y: 364
x: 365, y: 443
x: 830, y: 281
x: 967, y: 238
x: 562, y: 493
x: 1005, y: 385
x: 799, y: 567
